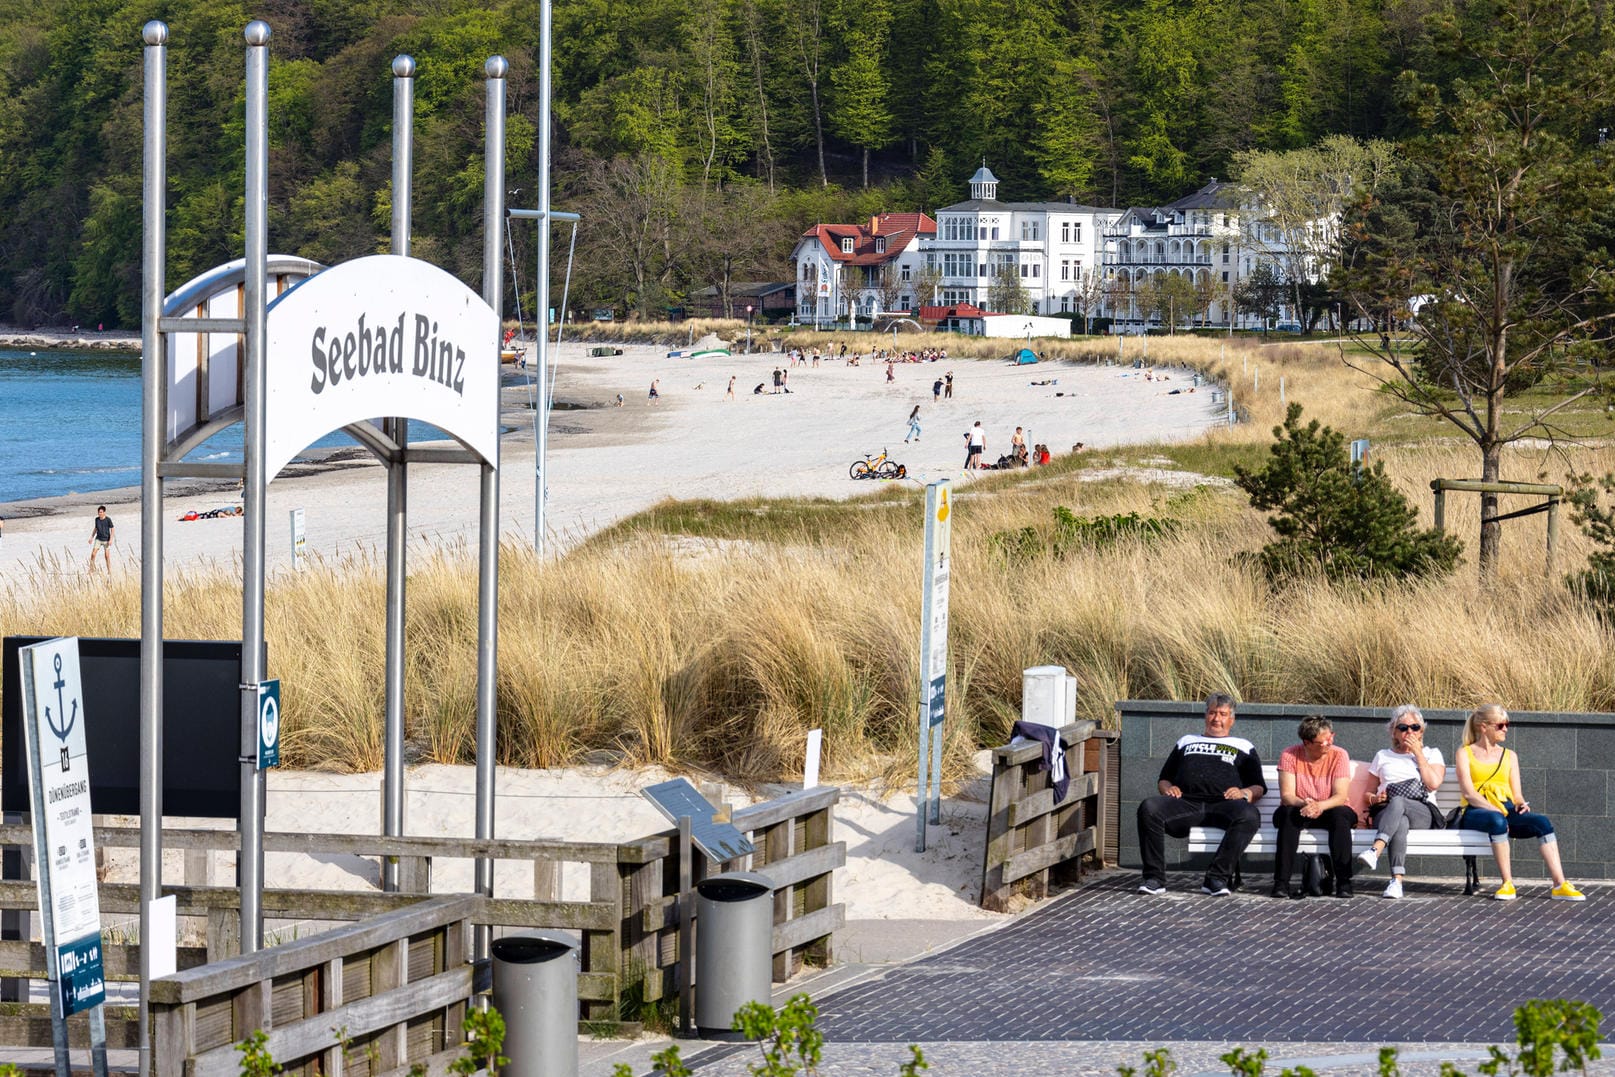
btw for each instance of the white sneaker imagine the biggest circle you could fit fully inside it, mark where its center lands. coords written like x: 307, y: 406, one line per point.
x: 1371, y: 858
x: 1394, y: 890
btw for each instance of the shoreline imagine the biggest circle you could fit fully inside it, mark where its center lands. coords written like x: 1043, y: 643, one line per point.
x: 68, y: 340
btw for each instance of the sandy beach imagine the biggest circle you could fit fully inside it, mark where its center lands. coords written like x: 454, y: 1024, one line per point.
x: 606, y: 462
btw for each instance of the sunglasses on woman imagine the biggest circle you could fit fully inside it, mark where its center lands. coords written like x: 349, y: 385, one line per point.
x: 1499, y: 725
x: 1403, y: 727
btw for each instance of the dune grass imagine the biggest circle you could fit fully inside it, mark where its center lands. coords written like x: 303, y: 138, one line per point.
x: 715, y: 634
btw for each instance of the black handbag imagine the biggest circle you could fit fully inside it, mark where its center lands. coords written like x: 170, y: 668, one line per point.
x: 1317, y: 876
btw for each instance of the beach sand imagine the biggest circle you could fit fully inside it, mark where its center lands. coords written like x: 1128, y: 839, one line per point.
x: 606, y: 462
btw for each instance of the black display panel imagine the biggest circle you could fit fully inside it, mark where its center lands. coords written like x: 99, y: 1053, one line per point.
x: 201, y: 726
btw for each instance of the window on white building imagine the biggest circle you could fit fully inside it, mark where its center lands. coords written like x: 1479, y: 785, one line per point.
x: 1225, y: 276
x: 1025, y: 271
x: 846, y: 245
x: 1076, y: 232
x: 1035, y: 308
x: 995, y: 231
x: 1065, y: 231
x: 981, y: 270
x: 1065, y: 304
x: 880, y: 244
x: 1065, y: 269
x: 982, y: 233
x: 1037, y: 269
x: 1225, y: 254
x: 905, y: 273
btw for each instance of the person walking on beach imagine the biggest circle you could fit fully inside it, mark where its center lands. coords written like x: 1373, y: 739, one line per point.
x: 913, y: 425
x: 890, y: 376
x: 654, y: 395
x: 936, y: 391
x: 730, y: 395
x: 975, y: 445
x: 947, y: 385
x: 101, y: 538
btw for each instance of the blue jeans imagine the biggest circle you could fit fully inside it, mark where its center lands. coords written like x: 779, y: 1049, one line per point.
x: 1513, y: 824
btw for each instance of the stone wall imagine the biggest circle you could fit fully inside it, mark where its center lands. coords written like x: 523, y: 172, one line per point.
x: 1567, y: 765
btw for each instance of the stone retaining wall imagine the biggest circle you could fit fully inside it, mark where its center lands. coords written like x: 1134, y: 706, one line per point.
x: 1567, y: 765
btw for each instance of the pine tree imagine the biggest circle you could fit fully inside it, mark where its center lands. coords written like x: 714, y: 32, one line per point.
x: 1346, y: 523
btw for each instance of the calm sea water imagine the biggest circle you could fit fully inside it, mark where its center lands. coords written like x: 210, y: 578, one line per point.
x: 70, y: 423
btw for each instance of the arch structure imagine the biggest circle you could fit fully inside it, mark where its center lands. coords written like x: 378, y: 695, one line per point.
x: 293, y: 350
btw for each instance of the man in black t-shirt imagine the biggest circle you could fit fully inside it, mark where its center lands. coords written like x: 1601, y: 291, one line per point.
x: 1210, y: 779
x: 101, y: 538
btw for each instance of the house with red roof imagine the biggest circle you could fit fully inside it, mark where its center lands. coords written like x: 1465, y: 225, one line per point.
x: 856, y: 271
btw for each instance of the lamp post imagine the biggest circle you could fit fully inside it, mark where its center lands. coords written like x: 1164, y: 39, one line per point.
x: 748, y: 328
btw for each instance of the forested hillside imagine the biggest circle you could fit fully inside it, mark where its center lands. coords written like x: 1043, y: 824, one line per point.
x: 697, y: 137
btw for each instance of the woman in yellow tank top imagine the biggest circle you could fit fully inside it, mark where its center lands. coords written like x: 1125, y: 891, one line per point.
x: 1489, y: 778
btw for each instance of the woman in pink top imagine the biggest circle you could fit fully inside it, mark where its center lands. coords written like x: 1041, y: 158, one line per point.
x: 1313, y: 779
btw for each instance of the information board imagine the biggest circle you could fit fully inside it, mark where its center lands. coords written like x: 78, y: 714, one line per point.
x: 64, y: 837
x: 678, y: 798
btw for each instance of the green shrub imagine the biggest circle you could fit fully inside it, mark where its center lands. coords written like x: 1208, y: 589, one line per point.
x: 1597, y: 581
x: 1345, y: 522
x: 1072, y: 532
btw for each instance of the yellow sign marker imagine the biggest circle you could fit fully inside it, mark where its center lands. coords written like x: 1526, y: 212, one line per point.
x: 942, y: 509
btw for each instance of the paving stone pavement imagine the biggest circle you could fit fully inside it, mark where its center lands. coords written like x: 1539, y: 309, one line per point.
x: 1100, y: 975
x: 1106, y: 963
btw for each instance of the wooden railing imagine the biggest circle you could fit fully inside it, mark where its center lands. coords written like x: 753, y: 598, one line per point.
x: 627, y: 926
x: 1030, y: 838
x: 371, y: 998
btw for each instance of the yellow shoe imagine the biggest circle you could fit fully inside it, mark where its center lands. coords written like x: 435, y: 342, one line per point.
x: 1505, y: 893
x: 1567, y: 892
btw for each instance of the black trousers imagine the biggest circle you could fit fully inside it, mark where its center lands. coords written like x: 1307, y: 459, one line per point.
x: 1339, y: 821
x: 1159, y: 816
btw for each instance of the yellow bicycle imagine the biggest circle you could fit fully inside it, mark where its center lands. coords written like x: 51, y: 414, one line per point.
x: 877, y: 467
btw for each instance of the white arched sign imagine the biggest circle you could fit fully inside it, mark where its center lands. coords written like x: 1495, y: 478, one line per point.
x: 383, y: 335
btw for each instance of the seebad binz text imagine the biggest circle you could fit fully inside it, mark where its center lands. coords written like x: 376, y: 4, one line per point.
x: 380, y: 350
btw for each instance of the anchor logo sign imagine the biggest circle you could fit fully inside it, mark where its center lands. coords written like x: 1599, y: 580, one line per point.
x: 67, y: 719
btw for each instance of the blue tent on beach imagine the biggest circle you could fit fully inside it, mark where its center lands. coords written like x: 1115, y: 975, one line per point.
x: 1025, y: 357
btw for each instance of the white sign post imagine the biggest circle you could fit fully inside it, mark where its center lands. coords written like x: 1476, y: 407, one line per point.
x: 299, y: 539
x: 64, y: 841
x: 933, y: 655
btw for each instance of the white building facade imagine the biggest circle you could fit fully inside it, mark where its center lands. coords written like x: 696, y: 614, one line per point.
x: 1214, y: 239
x: 851, y: 272
x: 1067, y: 258
x: 1055, y: 248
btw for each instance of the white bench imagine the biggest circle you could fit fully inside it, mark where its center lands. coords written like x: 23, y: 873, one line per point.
x: 1468, y: 844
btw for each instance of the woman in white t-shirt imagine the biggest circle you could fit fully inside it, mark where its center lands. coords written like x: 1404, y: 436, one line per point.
x: 1409, y: 773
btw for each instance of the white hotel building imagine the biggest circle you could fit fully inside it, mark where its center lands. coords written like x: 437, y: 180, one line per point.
x: 1069, y: 257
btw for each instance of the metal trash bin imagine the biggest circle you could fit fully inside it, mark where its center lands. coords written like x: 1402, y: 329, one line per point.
x: 734, y: 949
x: 535, y: 989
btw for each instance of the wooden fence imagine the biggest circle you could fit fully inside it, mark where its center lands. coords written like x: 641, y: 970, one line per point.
x: 1030, y: 838
x: 627, y: 926
x: 364, y: 1000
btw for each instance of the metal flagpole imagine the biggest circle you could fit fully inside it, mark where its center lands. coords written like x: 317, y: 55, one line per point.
x: 392, y: 823
x: 493, y: 211
x: 153, y: 417
x: 250, y: 865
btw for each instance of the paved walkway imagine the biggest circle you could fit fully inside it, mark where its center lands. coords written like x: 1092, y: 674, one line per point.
x: 1101, y: 974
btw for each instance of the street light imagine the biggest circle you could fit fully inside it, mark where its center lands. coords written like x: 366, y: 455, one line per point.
x: 748, y: 328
